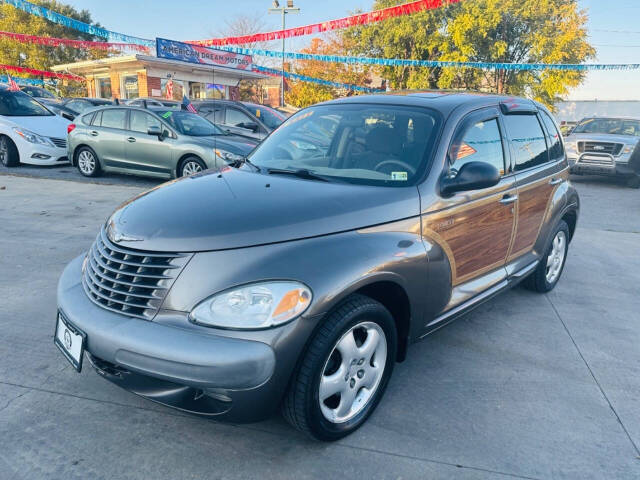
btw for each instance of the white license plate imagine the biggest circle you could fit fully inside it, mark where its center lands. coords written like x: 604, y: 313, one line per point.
x: 70, y: 341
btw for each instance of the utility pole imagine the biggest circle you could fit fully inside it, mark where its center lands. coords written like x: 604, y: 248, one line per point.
x: 283, y: 11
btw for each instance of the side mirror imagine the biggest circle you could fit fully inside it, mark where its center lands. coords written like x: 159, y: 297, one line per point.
x: 471, y: 176
x: 155, y: 131
x: 249, y: 126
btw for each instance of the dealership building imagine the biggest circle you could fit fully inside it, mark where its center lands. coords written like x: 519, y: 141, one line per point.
x: 133, y: 76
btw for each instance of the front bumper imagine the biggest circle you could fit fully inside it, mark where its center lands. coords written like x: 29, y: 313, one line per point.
x: 36, y: 154
x: 609, y: 167
x: 182, y: 368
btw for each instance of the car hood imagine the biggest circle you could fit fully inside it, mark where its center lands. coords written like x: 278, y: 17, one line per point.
x: 48, y: 126
x: 602, y: 137
x: 230, y: 143
x: 237, y: 208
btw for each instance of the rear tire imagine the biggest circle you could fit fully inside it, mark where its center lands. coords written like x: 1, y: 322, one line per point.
x: 191, y: 166
x: 548, y: 273
x: 352, y: 353
x: 9, y: 156
x: 87, y: 162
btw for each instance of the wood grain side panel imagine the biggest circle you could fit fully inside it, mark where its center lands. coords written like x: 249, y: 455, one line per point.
x: 476, y: 236
x: 532, y: 207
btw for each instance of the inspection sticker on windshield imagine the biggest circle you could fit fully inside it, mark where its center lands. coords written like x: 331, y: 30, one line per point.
x: 400, y: 176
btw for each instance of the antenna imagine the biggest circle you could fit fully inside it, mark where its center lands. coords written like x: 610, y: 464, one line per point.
x: 144, y: 104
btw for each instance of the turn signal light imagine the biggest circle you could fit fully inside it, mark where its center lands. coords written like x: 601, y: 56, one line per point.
x: 70, y: 128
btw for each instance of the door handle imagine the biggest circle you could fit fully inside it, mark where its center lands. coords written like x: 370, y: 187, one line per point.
x: 509, y: 199
x: 555, y: 181
x: 93, y: 133
x: 131, y: 139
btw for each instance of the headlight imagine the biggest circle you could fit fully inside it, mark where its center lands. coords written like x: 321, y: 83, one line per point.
x: 228, y: 156
x: 254, y: 306
x: 33, y: 137
x: 628, y: 149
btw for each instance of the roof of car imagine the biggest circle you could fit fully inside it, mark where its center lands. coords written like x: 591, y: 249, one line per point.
x: 442, y: 100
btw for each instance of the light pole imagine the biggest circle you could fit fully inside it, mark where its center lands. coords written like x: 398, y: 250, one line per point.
x: 283, y: 11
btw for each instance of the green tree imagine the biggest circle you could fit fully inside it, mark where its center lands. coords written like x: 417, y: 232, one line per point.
x: 303, y: 94
x: 503, y: 31
x: 39, y: 56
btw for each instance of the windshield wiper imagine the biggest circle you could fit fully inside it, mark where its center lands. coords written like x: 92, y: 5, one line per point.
x: 300, y: 173
x: 245, y: 161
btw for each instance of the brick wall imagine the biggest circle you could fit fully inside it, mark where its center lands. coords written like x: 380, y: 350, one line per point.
x: 143, y: 89
x: 115, y: 85
x: 153, y: 83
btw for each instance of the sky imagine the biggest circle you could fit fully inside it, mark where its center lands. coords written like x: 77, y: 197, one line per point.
x: 614, y: 30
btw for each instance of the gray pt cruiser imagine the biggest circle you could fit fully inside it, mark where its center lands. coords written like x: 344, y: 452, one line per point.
x: 298, y: 278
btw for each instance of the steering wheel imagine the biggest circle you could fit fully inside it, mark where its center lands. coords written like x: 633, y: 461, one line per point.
x: 403, y: 165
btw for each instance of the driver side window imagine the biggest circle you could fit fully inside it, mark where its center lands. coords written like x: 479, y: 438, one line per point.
x: 481, y: 142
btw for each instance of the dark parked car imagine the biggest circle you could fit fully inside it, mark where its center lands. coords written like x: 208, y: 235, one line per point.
x: 70, y: 108
x: 38, y: 92
x: 246, y: 119
x: 158, y: 142
x: 605, y: 146
x: 301, y: 277
x: 155, y: 102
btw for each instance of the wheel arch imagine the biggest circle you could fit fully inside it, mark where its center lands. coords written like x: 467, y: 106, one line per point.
x: 571, y: 219
x: 76, y: 151
x: 183, y: 157
x: 8, y: 137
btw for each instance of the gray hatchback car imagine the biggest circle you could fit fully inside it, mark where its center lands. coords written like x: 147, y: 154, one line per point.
x: 158, y: 142
x: 300, y: 278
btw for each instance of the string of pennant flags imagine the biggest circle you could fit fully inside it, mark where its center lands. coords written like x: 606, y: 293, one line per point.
x: 338, y: 24
x: 397, y: 62
x: 319, y: 81
x: 69, y: 22
x: 68, y: 42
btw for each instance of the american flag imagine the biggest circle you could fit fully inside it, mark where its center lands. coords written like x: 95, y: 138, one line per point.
x: 186, y: 103
x: 170, y: 90
x: 13, y: 86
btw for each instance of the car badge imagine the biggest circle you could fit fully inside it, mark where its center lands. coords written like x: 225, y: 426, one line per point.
x: 118, y: 237
x: 598, y: 147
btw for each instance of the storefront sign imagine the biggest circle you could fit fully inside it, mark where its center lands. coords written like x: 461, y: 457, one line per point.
x: 202, y: 55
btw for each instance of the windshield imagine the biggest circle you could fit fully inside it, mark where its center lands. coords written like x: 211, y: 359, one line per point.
x: 613, y: 126
x: 270, y: 117
x: 188, y: 123
x: 19, y: 104
x: 358, y: 143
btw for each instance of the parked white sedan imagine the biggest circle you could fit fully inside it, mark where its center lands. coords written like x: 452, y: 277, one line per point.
x: 29, y: 132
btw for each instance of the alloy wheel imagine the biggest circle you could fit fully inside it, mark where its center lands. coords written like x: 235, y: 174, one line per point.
x: 190, y: 168
x: 352, y: 372
x: 86, y: 162
x: 556, y: 257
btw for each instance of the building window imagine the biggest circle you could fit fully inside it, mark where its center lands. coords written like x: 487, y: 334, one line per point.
x: 104, y: 88
x: 130, y: 86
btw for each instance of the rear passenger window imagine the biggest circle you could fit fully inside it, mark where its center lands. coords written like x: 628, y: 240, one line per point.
x: 114, y: 118
x: 527, y: 139
x: 556, y: 152
x: 480, y: 143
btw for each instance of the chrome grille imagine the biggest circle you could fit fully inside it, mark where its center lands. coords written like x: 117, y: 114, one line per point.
x: 127, y: 281
x: 59, y: 142
x: 604, y: 160
x: 607, y: 148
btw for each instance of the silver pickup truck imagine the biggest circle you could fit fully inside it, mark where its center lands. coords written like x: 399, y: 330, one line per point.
x: 605, y: 146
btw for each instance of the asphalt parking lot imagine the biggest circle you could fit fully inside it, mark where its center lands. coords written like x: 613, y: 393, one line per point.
x: 527, y: 386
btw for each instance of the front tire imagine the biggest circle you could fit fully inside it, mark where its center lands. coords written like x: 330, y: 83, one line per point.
x: 9, y: 156
x: 344, y: 371
x: 191, y: 166
x: 548, y: 273
x: 87, y: 162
